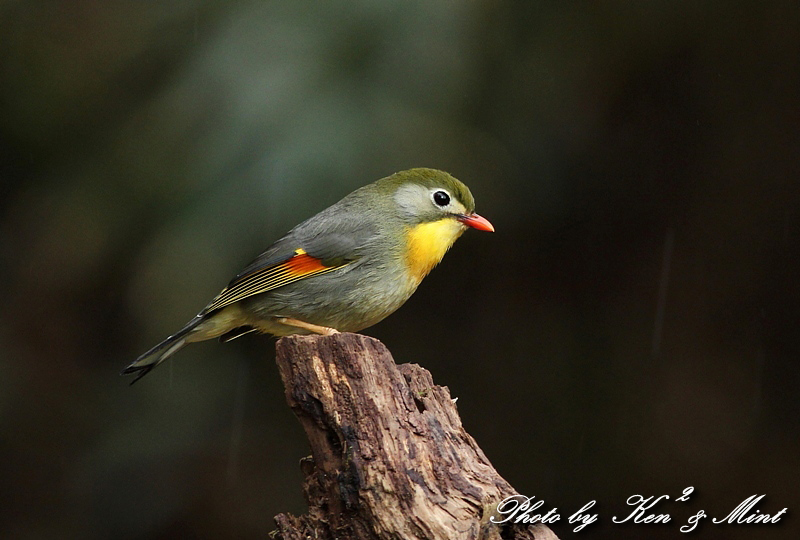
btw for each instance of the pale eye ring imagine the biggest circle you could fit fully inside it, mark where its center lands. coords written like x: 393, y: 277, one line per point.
x: 441, y: 198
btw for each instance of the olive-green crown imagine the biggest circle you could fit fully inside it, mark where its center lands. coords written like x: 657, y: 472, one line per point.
x: 431, y: 179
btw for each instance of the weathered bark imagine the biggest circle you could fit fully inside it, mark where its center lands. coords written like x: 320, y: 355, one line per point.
x: 390, y: 459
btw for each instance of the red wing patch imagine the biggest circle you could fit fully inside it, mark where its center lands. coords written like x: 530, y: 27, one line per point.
x: 299, y: 266
x: 302, y: 264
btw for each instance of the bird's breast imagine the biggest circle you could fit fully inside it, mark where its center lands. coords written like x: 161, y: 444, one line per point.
x: 427, y: 243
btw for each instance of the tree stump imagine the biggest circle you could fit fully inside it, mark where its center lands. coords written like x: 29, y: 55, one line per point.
x: 390, y: 459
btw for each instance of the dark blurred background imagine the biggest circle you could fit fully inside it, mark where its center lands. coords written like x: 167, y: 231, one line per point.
x: 631, y: 328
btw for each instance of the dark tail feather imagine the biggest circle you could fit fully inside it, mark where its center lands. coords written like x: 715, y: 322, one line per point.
x: 146, y: 362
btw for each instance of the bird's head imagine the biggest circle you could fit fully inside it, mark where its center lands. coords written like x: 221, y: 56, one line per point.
x: 434, y: 209
x: 423, y: 196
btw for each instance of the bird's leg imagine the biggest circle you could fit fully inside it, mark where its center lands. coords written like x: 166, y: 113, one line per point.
x: 317, y: 329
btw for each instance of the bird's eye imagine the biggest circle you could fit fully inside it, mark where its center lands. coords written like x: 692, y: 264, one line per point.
x: 441, y: 198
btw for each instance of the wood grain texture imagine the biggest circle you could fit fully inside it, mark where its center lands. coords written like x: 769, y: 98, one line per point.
x: 390, y: 458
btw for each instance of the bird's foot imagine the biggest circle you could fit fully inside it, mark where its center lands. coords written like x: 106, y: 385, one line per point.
x: 315, y: 328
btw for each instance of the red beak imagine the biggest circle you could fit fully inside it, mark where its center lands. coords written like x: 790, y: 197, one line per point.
x: 476, y: 222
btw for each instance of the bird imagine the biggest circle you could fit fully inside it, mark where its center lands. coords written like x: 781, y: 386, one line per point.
x: 342, y: 270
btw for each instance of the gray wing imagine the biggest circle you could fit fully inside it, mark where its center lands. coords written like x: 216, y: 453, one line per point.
x: 330, y: 240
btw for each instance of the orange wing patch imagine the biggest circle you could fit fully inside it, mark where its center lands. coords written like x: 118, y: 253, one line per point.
x: 301, y: 265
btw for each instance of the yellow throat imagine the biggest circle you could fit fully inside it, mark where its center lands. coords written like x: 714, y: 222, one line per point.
x: 427, y: 243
